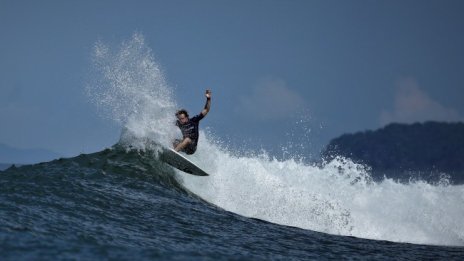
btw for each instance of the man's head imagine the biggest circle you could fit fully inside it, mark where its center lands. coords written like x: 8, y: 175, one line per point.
x: 182, y: 116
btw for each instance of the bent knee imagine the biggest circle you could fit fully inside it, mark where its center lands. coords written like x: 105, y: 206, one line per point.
x: 188, y: 140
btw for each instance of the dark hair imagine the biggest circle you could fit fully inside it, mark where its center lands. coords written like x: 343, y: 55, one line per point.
x: 182, y: 111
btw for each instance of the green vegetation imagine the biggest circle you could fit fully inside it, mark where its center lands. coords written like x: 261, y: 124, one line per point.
x: 430, y: 147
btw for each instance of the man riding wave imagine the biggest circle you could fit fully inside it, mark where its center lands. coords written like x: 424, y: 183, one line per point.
x: 190, y: 127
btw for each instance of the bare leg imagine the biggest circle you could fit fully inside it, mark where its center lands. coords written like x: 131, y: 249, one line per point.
x: 183, y: 144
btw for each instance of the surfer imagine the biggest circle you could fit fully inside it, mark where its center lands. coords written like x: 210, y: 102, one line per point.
x: 189, y: 127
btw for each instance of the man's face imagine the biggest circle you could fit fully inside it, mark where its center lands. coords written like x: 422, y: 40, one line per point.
x: 182, y: 118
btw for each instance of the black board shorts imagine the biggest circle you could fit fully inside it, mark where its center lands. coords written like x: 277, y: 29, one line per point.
x: 190, y: 149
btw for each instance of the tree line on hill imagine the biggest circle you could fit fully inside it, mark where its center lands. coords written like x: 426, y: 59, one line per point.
x: 430, y: 148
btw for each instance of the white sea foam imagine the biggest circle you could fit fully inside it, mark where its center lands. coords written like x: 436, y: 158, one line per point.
x: 339, y: 198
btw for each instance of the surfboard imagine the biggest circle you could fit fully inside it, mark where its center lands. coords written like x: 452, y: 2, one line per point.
x: 180, y: 162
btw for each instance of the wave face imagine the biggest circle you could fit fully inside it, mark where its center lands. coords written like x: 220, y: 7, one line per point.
x: 124, y: 203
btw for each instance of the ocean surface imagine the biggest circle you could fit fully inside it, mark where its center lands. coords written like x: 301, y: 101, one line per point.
x: 123, y: 203
x: 126, y: 204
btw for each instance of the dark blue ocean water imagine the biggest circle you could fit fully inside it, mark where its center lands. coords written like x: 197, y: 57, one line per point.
x: 124, y: 205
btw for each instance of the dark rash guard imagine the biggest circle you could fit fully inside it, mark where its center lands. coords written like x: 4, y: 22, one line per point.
x: 190, y: 129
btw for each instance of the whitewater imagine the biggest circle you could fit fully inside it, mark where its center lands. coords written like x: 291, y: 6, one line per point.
x: 338, y: 198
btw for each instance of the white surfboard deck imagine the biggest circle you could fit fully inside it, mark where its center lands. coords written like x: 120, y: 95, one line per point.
x: 180, y: 162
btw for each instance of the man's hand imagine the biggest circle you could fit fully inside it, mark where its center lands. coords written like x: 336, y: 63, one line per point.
x: 208, y: 103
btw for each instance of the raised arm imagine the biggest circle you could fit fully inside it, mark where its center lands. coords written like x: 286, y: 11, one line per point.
x: 208, y: 103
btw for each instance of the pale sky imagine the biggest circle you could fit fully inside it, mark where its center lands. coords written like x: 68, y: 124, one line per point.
x: 280, y: 71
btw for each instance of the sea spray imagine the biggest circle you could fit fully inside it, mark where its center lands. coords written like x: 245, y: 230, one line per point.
x: 131, y: 89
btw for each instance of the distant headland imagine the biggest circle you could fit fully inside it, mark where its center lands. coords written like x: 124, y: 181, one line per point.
x: 426, y: 149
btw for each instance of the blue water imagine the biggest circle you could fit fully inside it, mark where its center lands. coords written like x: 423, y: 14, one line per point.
x: 119, y: 204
